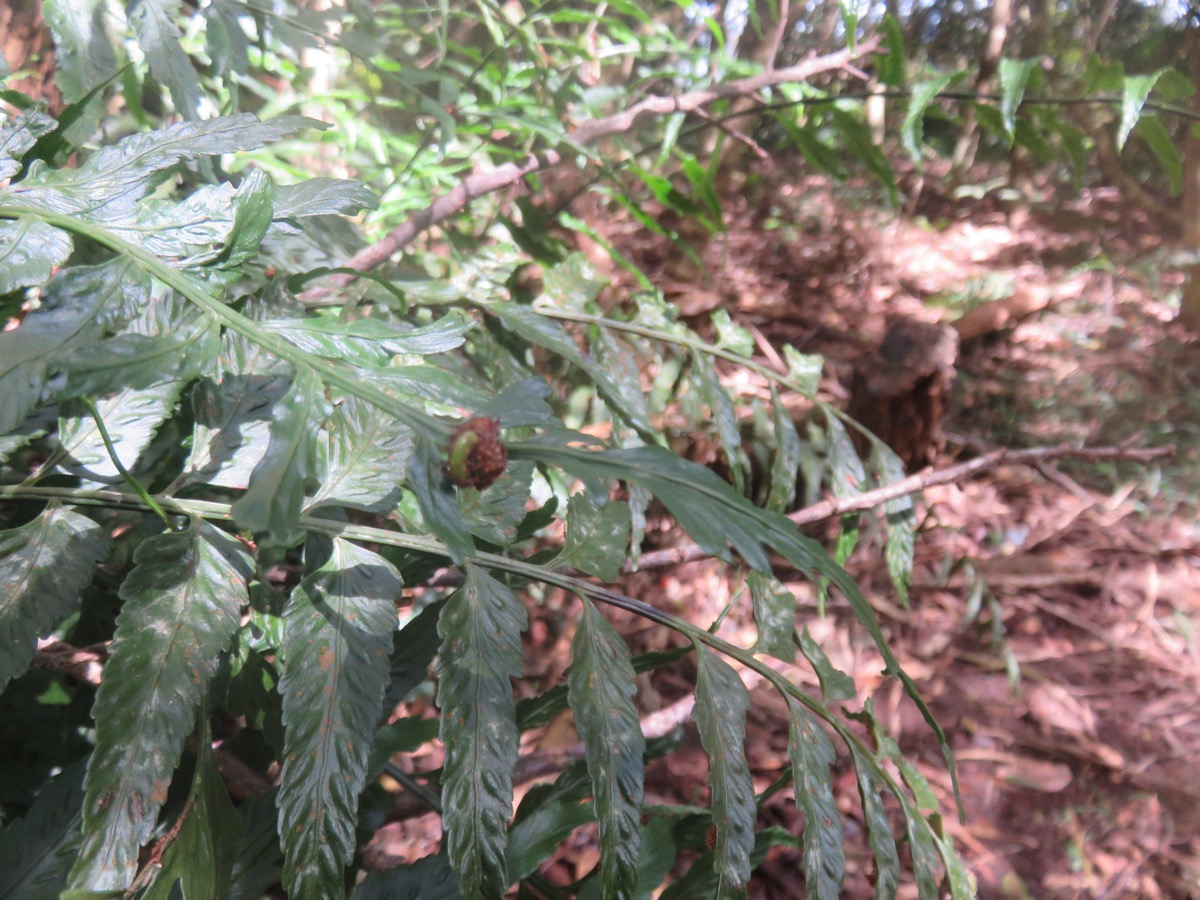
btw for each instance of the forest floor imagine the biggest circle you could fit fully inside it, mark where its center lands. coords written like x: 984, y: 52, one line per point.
x: 1052, y: 625
x: 1054, y: 609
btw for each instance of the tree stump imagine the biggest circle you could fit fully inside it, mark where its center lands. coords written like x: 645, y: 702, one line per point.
x: 901, y: 389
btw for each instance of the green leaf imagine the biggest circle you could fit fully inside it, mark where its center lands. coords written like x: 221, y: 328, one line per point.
x: 720, y: 714
x: 990, y: 120
x: 275, y: 496
x: 36, y: 851
x: 521, y: 403
x: 701, y: 881
x: 131, y: 417
x: 1100, y: 75
x: 481, y: 627
x: 117, y: 290
x: 134, y: 360
x: 597, y: 537
x: 405, y: 735
x: 540, y: 331
x: 44, y: 564
x: 337, y: 632
x: 539, y: 710
x: 862, y: 146
x: 656, y: 858
x: 1133, y: 97
x: 413, y: 649
x: 323, y: 197
x: 19, y: 136
x: 258, y: 861
x: 200, y: 858
x: 701, y: 182
x: 785, y: 461
x: 923, y: 844
x: 691, y: 492
x: 900, y: 517
x: 225, y: 38
x: 775, y: 616
x: 847, y: 539
x: 731, y: 336
x: 369, y: 342
x: 495, y: 512
x: 1014, y: 76
x: 153, y: 24
x: 849, y: 13
x: 112, y: 181
x: 231, y: 427
x: 723, y: 416
x: 83, y: 49
x: 879, y: 827
x: 1155, y: 134
x: 812, y: 756
x: 429, y: 878
x: 835, y: 684
x: 891, y: 66
x: 814, y: 146
x: 962, y: 883
x: 424, y: 384
x: 573, y: 283
x: 363, y: 456
x: 616, y: 358
x: 912, y: 128
x: 537, y: 835
x: 804, y: 370
x: 1034, y: 140
x: 253, y: 209
x: 29, y: 251
x: 182, y: 603
x: 601, y: 684
x: 847, y: 477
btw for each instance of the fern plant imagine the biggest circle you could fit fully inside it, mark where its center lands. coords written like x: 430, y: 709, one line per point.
x: 177, y: 427
x: 233, y: 495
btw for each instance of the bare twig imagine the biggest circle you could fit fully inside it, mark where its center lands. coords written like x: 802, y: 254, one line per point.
x: 483, y: 183
x: 84, y: 663
x: 829, y: 508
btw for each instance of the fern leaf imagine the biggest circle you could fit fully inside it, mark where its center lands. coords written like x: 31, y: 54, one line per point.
x: 181, y: 607
x: 44, y: 565
x: 812, y: 755
x: 337, y: 633
x: 363, y: 454
x: 721, y: 704
x: 36, y: 851
x: 601, y: 685
x: 273, y: 501
x: 480, y: 627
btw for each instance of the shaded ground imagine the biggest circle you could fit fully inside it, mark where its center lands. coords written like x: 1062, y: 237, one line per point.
x: 1053, y: 616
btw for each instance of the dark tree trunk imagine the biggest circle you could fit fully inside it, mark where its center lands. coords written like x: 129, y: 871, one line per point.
x: 900, y: 391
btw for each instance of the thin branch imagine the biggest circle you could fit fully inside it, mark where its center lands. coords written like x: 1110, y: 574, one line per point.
x: 829, y: 508
x: 483, y: 183
x: 503, y: 176
x: 84, y: 663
